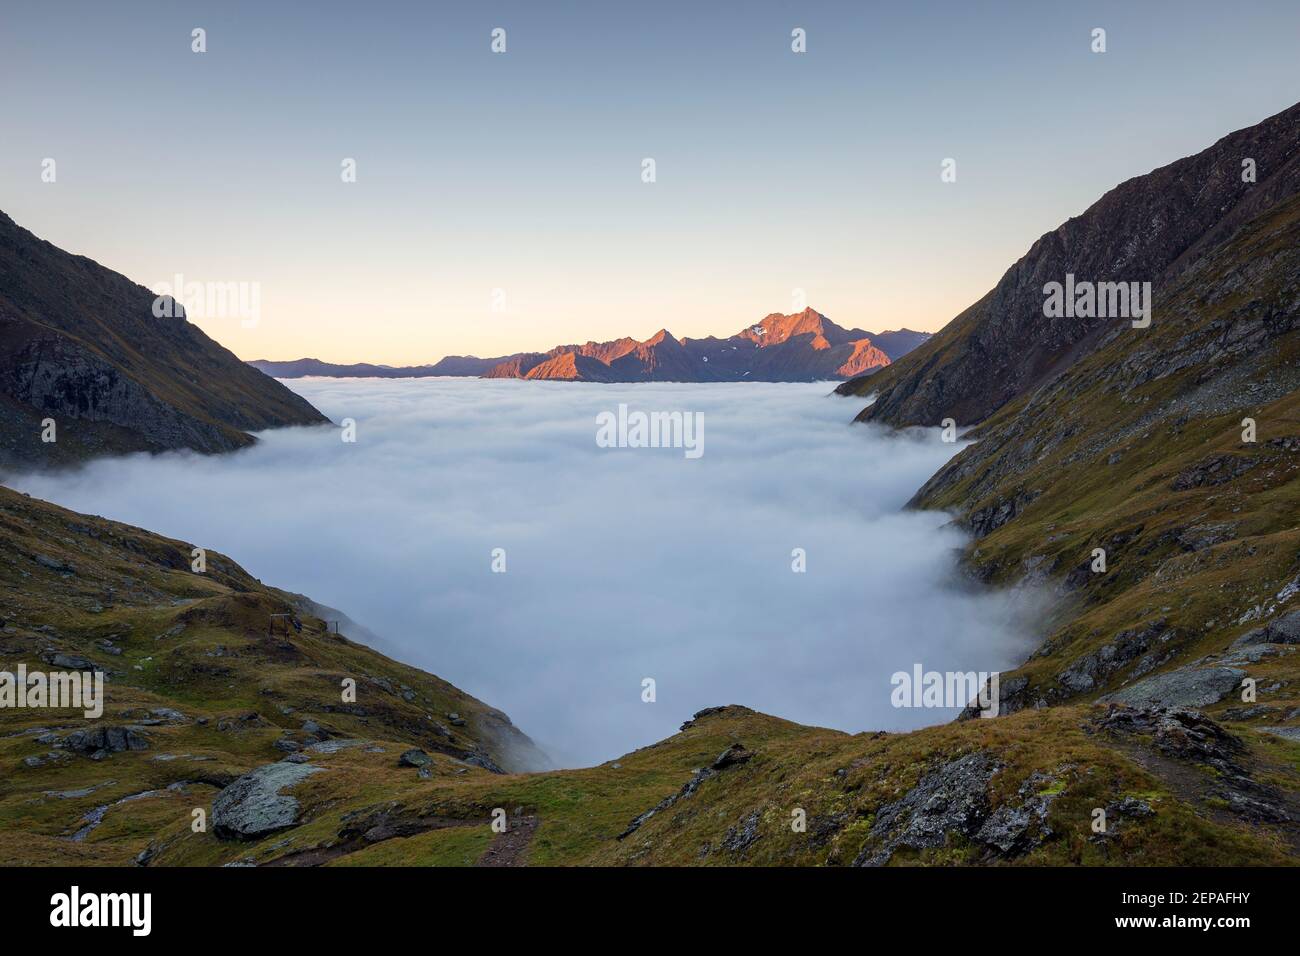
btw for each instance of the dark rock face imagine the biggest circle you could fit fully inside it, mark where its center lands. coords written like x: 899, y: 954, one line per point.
x: 949, y: 799
x: 1147, y: 229
x: 988, y: 519
x: 100, y: 741
x: 1092, y: 670
x: 1215, y: 470
x: 733, y: 755
x: 252, y: 806
x: 743, y: 835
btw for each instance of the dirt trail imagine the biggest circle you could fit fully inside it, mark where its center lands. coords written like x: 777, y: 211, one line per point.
x: 507, y: 848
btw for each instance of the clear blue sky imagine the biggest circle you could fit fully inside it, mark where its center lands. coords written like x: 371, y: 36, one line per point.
x: 521, y: 171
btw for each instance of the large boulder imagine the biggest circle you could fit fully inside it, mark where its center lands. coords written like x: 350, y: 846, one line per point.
x: 1285, y: 630
x: 253, y: 806
x: 1184, y: 687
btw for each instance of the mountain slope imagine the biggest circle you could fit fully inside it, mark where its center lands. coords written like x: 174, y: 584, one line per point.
x: 208, y: 683
x: 80, y: 344
x: 1148, y: 229
x: 205, y: 706
x: 1173, y: 452
x: 1140, y: 449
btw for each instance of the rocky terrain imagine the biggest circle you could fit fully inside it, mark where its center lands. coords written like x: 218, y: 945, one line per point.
x: 81, y: 345
x: 802, y: 347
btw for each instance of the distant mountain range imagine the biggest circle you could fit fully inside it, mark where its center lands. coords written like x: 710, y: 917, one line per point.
x: 802, y: 347
x: 80, y: 344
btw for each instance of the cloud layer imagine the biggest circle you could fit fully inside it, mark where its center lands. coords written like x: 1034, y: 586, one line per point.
x: 622, y: 563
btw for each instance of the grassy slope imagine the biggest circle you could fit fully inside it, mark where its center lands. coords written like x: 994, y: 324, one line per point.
x: 197, y: 643
x: 136, y: 587
x: 1099, y: 450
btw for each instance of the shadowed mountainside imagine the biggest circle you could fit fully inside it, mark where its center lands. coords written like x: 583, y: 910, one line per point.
x: 1151, y: 228
x: 80, y: 344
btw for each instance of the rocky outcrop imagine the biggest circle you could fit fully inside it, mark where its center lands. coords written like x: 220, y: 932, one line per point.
x: 253, y: 806
x: 1284, y: 630
x: 952, y: 800
x: 99, y: 742
x: 733, y: 756
x: 1184, y: 687
x: 1186, y: 735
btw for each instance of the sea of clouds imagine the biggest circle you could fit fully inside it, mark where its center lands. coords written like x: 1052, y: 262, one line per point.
x: 621, y: 563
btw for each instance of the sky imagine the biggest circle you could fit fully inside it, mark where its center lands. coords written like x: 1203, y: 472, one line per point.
x: 618, y: 564
x: 499, y: 202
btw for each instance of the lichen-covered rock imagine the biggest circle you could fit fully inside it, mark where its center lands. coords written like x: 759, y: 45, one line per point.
x: 950, y: 799
x: 253, y: 805
x: 415, y: 757
x: 1184, y: 687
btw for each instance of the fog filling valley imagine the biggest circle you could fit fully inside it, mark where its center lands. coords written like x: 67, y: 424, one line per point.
x: 622, y: 563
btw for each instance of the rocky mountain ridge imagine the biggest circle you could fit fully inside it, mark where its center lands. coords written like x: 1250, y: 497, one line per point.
x: 803, y: 346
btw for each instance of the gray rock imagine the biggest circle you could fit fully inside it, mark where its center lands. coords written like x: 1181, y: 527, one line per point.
x: 735, y: 754
x: 1017, y: 829
x: 1285, y: 630
x: 71, y: 662
x: 1184, y: 687
x: 334, y: 746
x: 101, y: 741
x: 484, y: 761
x: 1290, y: 733
x: 54, y: 564
x: 743, y: 835
x: 950, y: 799
x: 253, y: 806
x: 414, y: 758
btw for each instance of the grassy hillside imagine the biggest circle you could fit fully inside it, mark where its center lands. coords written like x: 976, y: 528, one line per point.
x: 1138, y: 450
x: 196, y: 677
x: 194, y: 668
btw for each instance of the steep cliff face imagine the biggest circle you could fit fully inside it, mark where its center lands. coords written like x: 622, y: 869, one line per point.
x: 80, y: 344
x: 1148, y: 229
